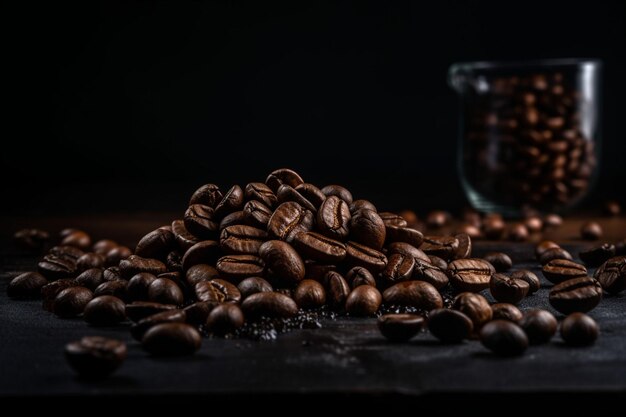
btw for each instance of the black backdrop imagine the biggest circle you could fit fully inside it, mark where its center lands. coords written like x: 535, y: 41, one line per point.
x: 129, y: 106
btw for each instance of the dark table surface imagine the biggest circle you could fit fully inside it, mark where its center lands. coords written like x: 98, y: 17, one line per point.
x: 345, y: 358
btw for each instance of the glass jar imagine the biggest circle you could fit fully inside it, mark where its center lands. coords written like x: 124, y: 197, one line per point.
x: 529, y: 133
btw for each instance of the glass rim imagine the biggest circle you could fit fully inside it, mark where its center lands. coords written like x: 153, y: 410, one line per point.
x: 526, y: 64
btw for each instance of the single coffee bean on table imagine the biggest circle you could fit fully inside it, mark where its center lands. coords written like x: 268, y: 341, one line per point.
x: 506, y: 311
x: 504, y: 338
x: 612, y: 275
x: 500, y: 261
x: 597, y: 255
x: 105, y: 310
x: 474, y: 306
x: 450, y: 326
x: 26, y: 286
x: 363, y: 301
x: 95, y: 357
x: 576, y: 295
x: 530, y: 277
x: 559, y: 270
x: 507, y: 289
x: 400, y: 327
x: 579, y: 329
x: 224, y: 319
x: 539, y: 325
x: 171, y: 339
x: 470, y: 274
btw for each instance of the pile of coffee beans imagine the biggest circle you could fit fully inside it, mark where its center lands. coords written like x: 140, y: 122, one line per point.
x: 272, y: 256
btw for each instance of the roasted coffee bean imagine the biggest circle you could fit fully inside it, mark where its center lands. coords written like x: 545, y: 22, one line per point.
x: 400, y: 327
x: 238, y: 267
x: 543, y: 246
x: 209, y: 195
x: 139, y: 329
x: 288, y: 220
x: 493, y: 227
x: 104, y: 246
x: 533, y: 224
x: 437, y: 219
x: 112, y: 273
x: 197, y: 313
x: 560, y: 270
x: 470, y: 230
x: 438, y: 262
x: 95, y: 357
x: 530, y: 277
x: 506, y: 289
x: 539, y: 326
x: 156, y: 244
x: 554, y: 253
x: 70, y: 253
x: 200, y: 272
x: 444, y: 247
x: 500, y: 261
x: 174, y: 262
x: 612, y: 208
x: 410, y: 216
x: 232, y: 201
x: 136, y: 264
x: 425, y: 271
x: 505, y: 311
x: 91, y: 278
x: 399, y: 268
x: 579, y: 329
x: 224, y: 319
x: 77, y: 238
x: 243, y: 240
x: 407, y: 250
x: 504, y: 338
x: 358, y: 205
x: 309, y: 294
x: 256, y: 214
x: 260, y: 192
x: 418, y: 294
x: 591, y: 231
x: 597, y: 255
x: 205, y: 252
x: 50, y: 291
x: 253, y: 285
x: 71, y: 301
x: 26, y: 286
x: 286, y: 193
x: 235, y: 218
x: 31, y: 239
x: 464, y: 249
x: 363, y: 301
x: 312, y: 194
x: 333, y: 218
x: 474, y: 306
x: 337, y: 290
x: 269, y: 304
x: 115, y: 255
x: 217, y: 290
x: 282, y: 261
x: 319, y: 247
x: 184, y: 239
x: 449, y: 326
x: 105, y: 310
x: 138, y: 286
x: 392, y: 219
x: 360, y: 276
x: 367, y: 228
x: 139, y: 310
x: 283, y: 176
x: 470, y: 274
x: 171, y: 339
x: 337, y: 191
x: 360, y: 255
x: 89, y: 260
x: 576, y: 295
x: 552, y: 220
x: 200, y: 221
x: 518, y: 232
x: 54, y: 267
x: 404, y: 234
x: 114, y: 288
x: 612, y: 275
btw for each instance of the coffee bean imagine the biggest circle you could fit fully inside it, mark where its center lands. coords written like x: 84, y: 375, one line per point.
x: 358, y: 205
x: 493, y: 227
x: 171, y: 339
x: 597, y: 255
x: 238, y: 267
x: 392, y: 219
x: 500, y: 261
x: 465, y: 246
x: 309, y: 294
x: 591, y: 231
x: 31, y: 239
x: 165, y: 291
x: 470, y: 274
x: 139, y: 329
x: 136, y: 264
x: 138, y: 310
x: 242, y: 239
x: 50, y: 291
x: 400, y: 327
x: 612, y: 208
x: 282, y: 261
x: 283, y: 176
x: 360, y: 255
x: 576, y: 295
x: 313, y: 194
x: 518, y: 232
x: 552, y: 220
x: 217, y: 290
x: 156, y: 244
x: 197, y: 313
x: 449, y: 326
x: 560, y: 270
x: 112, y: 273
x: 504, y: 338
x: 95, y: 357
x: 253, y: 285
x: 77, y: 238
x: 470, y: 230
x: 505, y: 311
x: 337, y: 290
x: 104, y: 246
x: 543, y: 246
x: 182, y: 236
x: 367, y: 228
x: 256, y: 214
x: 579, y: 329
x: 269, y: 304
x: 286, y: 193
x: 224, y: 319
x: 407, y: 250
x: 205, y: 252
x: 105, y: 310
x: 26, y: 286
x: 288, y: 220
x: 89, y: 260
x: 399, y: 268
x: 333, y: 218
x: 200, y: 220
x: 437, y: 219
x: 416, y: 294
x: 554, y: 253
x: 438, y: 262
x: 174, y: 262
x: 612, y: 275
x: 363, y: 301
x: 442, y: 246
x: 260, y: 192
x: 239, y: 217
x: 232, y: 201
x: 533, y: 224
x: 319, y: 247
x: 474, y: 306
x: 425, y: 271
x: 54, y: 267
x: 525, y: 275
x: 337, y: 191
x: 539, y: 325
x: 404, y: 234
x: 208, y: 195
x: 507, y: 289
x: 114, y: 288
x: 360, y: 276
x: 91, y: 278
x: 71, y: 301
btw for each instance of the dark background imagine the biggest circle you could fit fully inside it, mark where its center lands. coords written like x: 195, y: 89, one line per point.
x: 132, y: 106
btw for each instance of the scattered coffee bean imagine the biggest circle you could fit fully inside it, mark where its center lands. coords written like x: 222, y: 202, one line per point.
x: 232, y: 201
x: 530, y: 277
x: 591, y: 231
x: 597, y: 255
x: 71, y: 301
x: 576, y: 295
x: 579, y: 329
x: 209, y: 195
x: 465, y: 247
x: 115, y: 255
x: 368, y: 228
x: 135, y: 264
x: 319, y: 247
x: 470, y: 274
x: 26, y: 286
x: 418, y: 294
x: 438, y: 262
x: 165, y: 291
x: 505, y: 311
x: 288, y: 220
x: 139, y: 329
x: 442, y: 246
x: 224, y: 319
x: 554, y: 253
x: 91, y: 278
x: 399, y: 268
x: 253, y: 285
x: 200, y: 220
x: 156, y: 244
x: 76, y: 238
x: 392, y: 219
x: 309, y: 294
x: 364, y: 300
x: 559, y: 270
x: 338, y: 191
x: 360, y: 276
x: 500, y: 261
x: 474, y: 306
x: 255, y: 213
x: 533, y: 224
x: 337, y: 290
x: 95, y: 357
x: 518, y: 232
x: 269, y: 304
x: 50, y: 291
x: 205, y: 252
x: 539, y: 325
x: 139, y: 310
x: 55, y: 267
x: 612, y: 208
x: 504, y: 338
x: 552, y: 220
x: 612, y: 275
x: 450, y: 326
x: 184, y: 239
x: 437, y: 219
x: 314, y: 195
x: 31, y: 239
x: 400, y: 327
x: 507, y: 289
x: 114, y: 288
x: 242, y: 240
x: 105, y: 310
x: 197, y: 313
x: 543, y: 246
x: 261, y: 192
x: 171, y: 339
x: 361, y: 255
x: 282, y: 262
